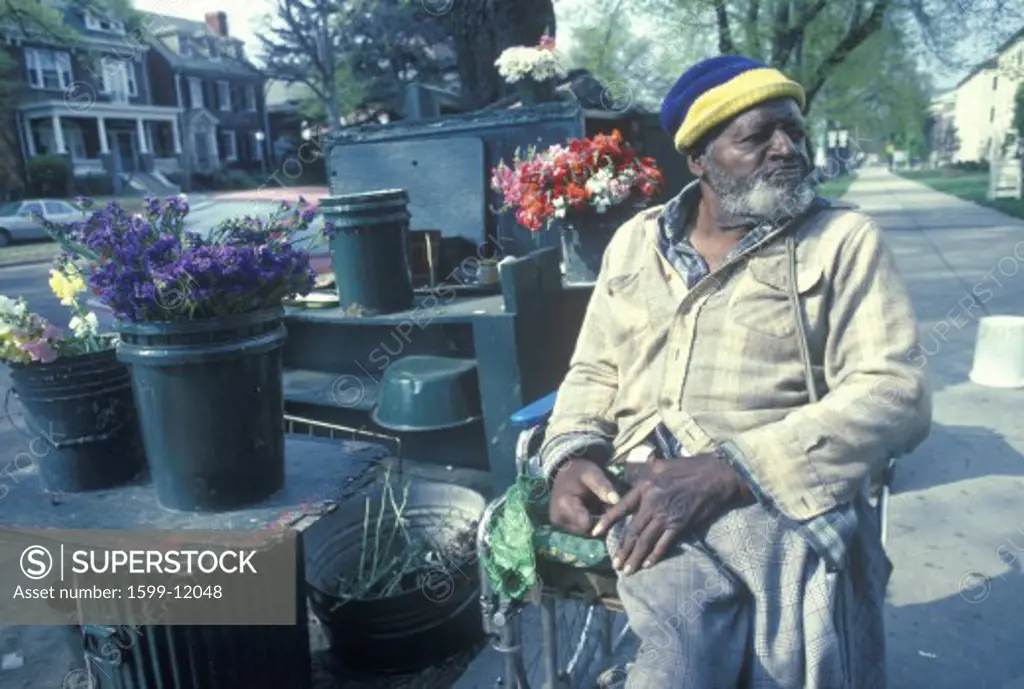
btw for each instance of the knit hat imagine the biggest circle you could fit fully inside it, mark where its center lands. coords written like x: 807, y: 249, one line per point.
x: 716, y: 90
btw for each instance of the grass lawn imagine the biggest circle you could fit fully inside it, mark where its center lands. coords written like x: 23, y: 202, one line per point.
x: 28, y: 252
x: 834, y: 188
x: 131, y: 204
x: 970, y: 186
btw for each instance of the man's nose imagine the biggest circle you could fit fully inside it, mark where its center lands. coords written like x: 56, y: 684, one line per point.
x: 783, y: 145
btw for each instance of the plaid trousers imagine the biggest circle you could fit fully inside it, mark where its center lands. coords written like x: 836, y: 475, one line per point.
x: 751, y: 605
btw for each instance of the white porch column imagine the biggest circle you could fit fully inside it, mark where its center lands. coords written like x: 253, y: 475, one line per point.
x: 101, y: 127
x: 58, y: 135
x: 141, y: 133
x: 31, y: 139
x: 176, y: 136
x: 213, y: 148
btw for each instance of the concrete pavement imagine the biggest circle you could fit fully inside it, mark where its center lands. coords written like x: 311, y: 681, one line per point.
x: 957, y: 515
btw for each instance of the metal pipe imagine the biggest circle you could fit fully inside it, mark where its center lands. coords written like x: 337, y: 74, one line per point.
x: 333, y: 427
x: 549, y: 640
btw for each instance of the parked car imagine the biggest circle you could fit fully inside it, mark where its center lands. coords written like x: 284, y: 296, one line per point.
x: 18, y: 221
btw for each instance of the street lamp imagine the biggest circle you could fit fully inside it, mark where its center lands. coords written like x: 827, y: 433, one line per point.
x: 260, y: 136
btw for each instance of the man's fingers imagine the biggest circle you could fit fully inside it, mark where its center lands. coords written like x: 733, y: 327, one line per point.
x: 643, y: 546
x: 668, y: 539
x: 616, y: 512
x: 569, y: 513
x: 594, y: 478
x: 636, y: 527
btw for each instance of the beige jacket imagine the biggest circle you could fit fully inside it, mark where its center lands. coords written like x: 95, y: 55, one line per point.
x: 723, y: 362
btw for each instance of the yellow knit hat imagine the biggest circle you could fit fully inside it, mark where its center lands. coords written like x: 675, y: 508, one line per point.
x: 717, y: 90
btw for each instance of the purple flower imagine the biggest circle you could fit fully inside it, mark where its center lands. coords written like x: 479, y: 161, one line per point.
x: 41, y: 350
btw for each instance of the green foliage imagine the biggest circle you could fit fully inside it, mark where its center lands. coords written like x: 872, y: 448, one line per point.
x: 882, y: 94
x: 49, y: 176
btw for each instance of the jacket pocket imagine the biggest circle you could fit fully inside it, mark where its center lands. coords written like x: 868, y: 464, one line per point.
x: 761, y: 300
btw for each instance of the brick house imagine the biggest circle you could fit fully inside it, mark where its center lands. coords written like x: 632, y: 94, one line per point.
x: 203, y: 72
x: 92, y: 102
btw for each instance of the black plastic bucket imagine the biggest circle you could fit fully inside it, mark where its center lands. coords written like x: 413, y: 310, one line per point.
x: 210, y: 398
x: 81, y: 420
x: 410, y: 631
x: 370, y: 250
x: 584, y: 240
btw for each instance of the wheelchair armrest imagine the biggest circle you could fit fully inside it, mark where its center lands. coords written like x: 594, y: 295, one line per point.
x: 534, y: 414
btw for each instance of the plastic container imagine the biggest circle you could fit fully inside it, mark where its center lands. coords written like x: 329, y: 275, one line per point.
x: 584, y: 239
x: 82, y: 420
x: 999, y: 352
x: 428, y: 393
x: 210, y: 398
x: 370, y: 251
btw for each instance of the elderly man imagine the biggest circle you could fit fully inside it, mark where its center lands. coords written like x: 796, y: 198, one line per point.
x: 745, y: 354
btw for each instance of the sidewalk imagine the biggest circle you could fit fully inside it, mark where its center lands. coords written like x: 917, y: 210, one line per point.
x: 957, y: 500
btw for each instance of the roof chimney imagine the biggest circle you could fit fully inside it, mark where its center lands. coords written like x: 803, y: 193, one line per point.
x: 218, y: 23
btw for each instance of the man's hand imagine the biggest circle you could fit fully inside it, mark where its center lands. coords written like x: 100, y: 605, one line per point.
x: 581, y: 489
x: 669, y: 500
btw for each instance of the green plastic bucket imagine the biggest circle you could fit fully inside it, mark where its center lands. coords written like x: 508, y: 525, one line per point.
x: 83, y: 427
x: 370, y: 250
x: 210, y: 398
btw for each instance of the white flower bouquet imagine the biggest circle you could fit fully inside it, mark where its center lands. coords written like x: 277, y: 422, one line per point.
x: 539, y: 63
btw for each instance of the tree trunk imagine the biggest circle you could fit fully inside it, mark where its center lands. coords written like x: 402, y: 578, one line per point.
x: 482, y: 30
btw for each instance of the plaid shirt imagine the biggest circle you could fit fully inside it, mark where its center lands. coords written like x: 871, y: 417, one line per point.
x: 674, y: 355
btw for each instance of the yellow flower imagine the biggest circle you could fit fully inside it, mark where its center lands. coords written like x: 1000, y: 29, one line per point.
x: 65, y: 287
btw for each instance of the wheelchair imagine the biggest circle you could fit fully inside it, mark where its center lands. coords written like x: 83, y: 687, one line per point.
x: 585, y: 640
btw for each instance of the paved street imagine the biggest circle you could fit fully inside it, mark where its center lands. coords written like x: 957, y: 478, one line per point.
x: 957, y: 505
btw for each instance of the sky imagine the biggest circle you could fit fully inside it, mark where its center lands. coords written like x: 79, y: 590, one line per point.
x: 243, y: 15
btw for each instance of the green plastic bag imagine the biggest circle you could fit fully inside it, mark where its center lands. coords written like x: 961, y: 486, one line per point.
x: 520, y: 533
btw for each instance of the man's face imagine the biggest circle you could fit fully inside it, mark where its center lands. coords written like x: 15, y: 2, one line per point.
x: 759, y: 166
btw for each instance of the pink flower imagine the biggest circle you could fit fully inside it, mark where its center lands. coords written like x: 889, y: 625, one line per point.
x: 40, y: 350
x: 52, y: 332
x: 546, y: 42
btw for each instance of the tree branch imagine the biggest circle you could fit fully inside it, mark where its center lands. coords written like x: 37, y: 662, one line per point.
x: 726, y: 45
x: 857, y: 35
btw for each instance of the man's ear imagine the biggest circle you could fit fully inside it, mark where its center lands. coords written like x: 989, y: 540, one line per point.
x: 695, y: 161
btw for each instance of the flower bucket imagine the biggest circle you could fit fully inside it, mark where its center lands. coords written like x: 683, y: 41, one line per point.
x: 533, y: 92
x: 82, y: 421
x: 210, y: 398
x: 584, y: 239
x: 370, y: 251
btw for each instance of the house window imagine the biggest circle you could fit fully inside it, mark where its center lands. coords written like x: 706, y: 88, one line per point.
x: 257, y: 147
x: 118, y: 79
x: 224, y: 95
x: 94, y: 23
x: 195, y: 92
x: 995, y: 82
x: 992, y: 115
x: 48, y: 69
x: 227, y: 142
x: 250, y: 98
x: 214, y: 50
x: 184, y: 47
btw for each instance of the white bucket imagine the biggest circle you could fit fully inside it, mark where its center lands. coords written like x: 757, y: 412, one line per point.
x: 999, y: 352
